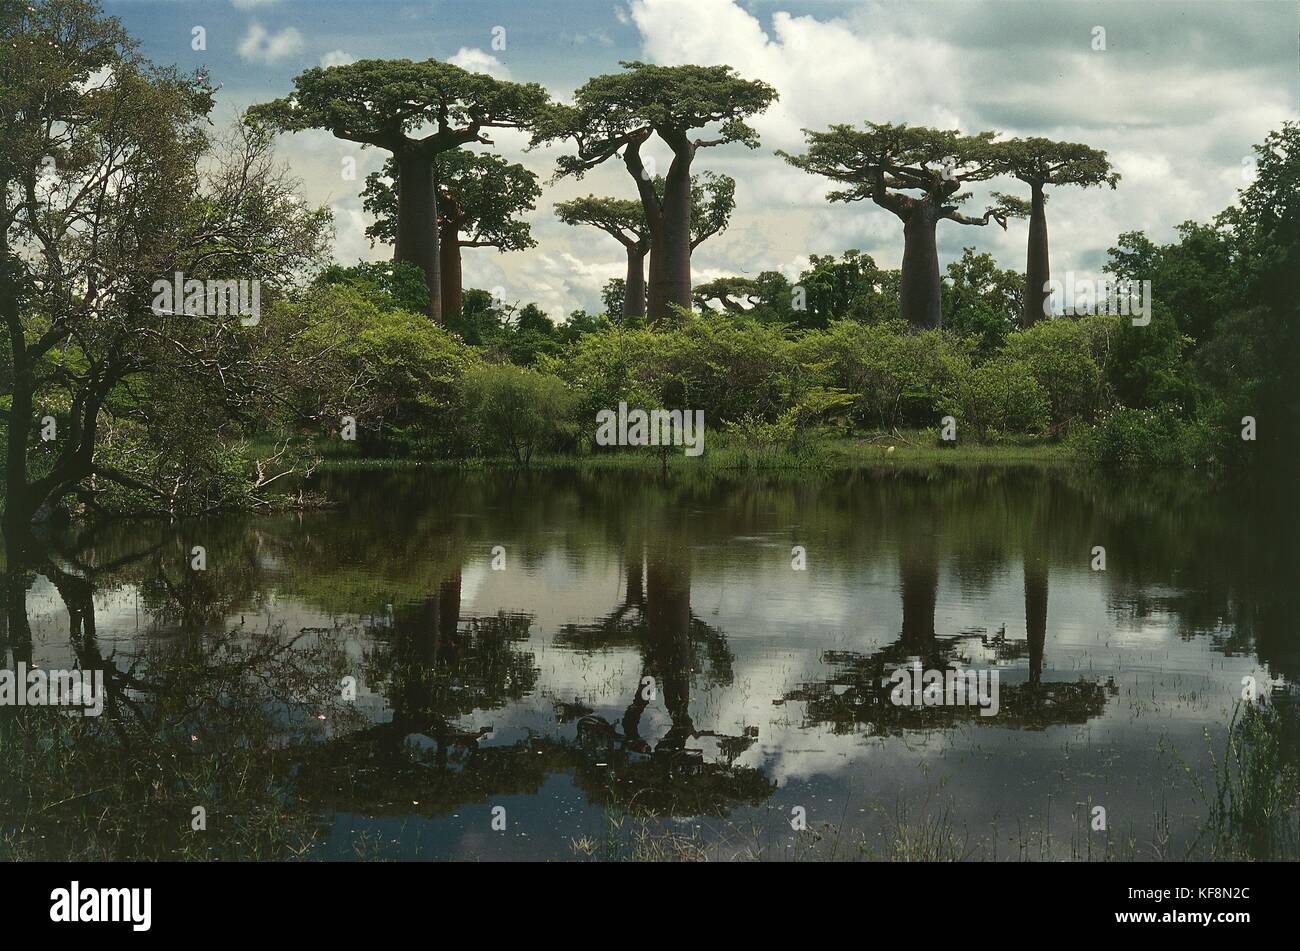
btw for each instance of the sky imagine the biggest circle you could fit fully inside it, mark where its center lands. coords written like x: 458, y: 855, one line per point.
x: 1177, y: 97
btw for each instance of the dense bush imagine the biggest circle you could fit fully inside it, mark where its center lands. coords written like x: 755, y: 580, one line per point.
x: 998, y: 398
x: 518, y: 411
x: 1063, y: 357
x: 894, y: 378
x: 394, y: 371
x: 1142, y: 438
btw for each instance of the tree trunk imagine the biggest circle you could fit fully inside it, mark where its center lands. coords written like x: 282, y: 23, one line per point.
x: 417, y: 222
x: 670, y: 253
x: 453, y: 297
x: 19, y: 507
x: 920, y: 300
x: 1037, y: 269
x: 634, y: 285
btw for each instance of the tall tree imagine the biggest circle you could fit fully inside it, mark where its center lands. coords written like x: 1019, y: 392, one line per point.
x: 713, y: 194
x: 109, y: 184
x: 1038, y: 163
x: 386, y: 104
x: 619, y: 113
x: 883, y: 163
x: 624, y: 220
x: 480, y: 199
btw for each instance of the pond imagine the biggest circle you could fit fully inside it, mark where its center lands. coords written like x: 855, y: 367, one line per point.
x: 611, y: 664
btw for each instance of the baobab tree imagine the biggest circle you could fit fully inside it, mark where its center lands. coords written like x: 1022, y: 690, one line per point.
x: 619, y: 112
x: 882, y: 163
x: 713, y: 197
x: 624, y: 220
x: 1038, y: 163
x: 726, y: 290
x: 387, y: 104
x: 480, y: 199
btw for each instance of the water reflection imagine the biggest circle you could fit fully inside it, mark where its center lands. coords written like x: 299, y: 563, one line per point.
x: 649, y: 646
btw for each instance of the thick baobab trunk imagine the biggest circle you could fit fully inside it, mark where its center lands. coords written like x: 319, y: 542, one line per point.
x: 634, y: 285
x: 453, y: 296
x: 417, y: 222
x: 670, y: 252
x: 920, y: 300
x: 1037, y: 269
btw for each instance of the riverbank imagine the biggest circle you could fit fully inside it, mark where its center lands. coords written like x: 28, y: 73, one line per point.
x: 908, y: 449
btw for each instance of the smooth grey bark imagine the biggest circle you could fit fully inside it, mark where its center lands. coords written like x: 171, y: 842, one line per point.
x: 920, y: 301
x: 634, y: 283
x: 417, y: 222
x: 449, y: 268
x: 668, y: 220
x: 1037, y: 267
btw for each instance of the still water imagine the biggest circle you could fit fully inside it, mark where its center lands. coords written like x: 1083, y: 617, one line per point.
x: 551, y: 665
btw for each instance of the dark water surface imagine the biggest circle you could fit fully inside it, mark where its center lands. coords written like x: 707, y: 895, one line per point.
x: 645, y: 652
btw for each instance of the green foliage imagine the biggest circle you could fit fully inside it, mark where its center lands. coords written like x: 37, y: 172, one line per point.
x: 671, y: 100
x: 895, y: 378
x: 378, y: 100
x: 1128, y: 438
x: 480, y: 199
x: 394, y: 371
x: 518, y: 410
x: 997, y: 398
x: 1038, y: 161
x: 388, y: 285
x: 982, y: 300
x: 1061, y: 355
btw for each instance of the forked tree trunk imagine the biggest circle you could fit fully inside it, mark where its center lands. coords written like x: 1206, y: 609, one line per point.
x: 417, y: 222
x: 919, y: 299
x: 1037, y: 268
x: 634, y: 284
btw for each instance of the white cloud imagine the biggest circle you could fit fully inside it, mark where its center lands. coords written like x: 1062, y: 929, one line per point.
x: 479, y: 61
x: 337, y: 58
x: 251, y: 4
x: 260, y: 45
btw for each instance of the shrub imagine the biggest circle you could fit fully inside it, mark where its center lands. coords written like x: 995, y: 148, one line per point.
x: 519, y: 410
x: 396, y: 372
x: 999, y: 397
x: 1058, y: 354
x: 1140, y: 438
x: 894, y: 377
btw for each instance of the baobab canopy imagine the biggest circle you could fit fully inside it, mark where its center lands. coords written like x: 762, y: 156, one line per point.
x: 387, y: 104
x: 481, y: 197
x: 1039, y: 162
x: 883, y: 163
x: 620, y: 111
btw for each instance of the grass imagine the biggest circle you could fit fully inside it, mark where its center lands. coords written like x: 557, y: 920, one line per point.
x: 1254, y: 808
x: 723, y: 452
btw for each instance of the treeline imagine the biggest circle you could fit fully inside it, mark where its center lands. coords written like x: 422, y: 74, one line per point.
x: 779, y: 363
x: 112, y: 178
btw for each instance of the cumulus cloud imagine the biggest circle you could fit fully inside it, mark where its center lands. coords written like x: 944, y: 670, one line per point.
x: 479, y: 61
x: 1175, y: 129
x: 337, y: 58
x: 261, y: 46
